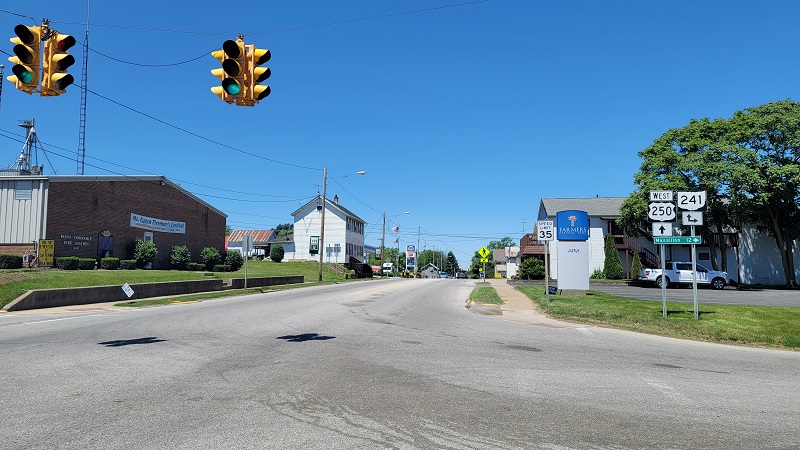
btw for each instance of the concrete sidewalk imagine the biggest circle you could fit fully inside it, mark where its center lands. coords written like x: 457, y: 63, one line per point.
x: 517, y: 307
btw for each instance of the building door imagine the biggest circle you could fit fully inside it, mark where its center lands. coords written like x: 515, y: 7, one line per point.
x: 148, y: 237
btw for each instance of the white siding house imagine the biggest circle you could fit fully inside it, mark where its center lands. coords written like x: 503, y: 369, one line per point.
x: 344, y: 232
x: 23, y: 202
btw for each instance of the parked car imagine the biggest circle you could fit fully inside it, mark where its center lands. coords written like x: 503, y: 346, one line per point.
x: 443, y: 274
x: 681, y: 273
x: 461, y: 274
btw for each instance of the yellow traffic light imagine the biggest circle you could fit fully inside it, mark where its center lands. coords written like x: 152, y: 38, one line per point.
x: 57, y: 59
x: 233, y: 87
x: 258, y: 74
x: 27, y: 56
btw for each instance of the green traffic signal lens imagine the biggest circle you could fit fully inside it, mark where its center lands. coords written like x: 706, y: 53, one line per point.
x: 231, y: 86
x: 23, y: 75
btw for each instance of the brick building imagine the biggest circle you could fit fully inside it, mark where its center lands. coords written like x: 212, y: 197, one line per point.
x: 94, y: 216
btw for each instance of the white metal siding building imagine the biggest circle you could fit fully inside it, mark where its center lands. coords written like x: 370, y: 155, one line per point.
x: 344, y: 232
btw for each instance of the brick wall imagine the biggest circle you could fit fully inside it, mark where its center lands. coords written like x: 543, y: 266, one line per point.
x: 15, y: 249
x: 77, y: 211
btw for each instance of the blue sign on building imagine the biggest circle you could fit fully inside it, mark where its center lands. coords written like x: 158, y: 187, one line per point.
x: 572, y: 225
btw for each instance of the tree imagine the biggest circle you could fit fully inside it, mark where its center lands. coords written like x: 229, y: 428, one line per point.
x: 283, y: 229
x: 210, y: 257
x: 451, y: 263
x: 234, y: 259
x: 612, y: 267
x: 749, y: 165
x: 636, y: 266
x: 180, y: 257
x: 144, y: 252
x: 276, y: 253
x: 502, y: 243
x: 228, y: 230
x: 532, y: 269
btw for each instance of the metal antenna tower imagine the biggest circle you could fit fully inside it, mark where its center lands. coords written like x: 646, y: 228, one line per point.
x: 23, y: 164
x: 84, y: 76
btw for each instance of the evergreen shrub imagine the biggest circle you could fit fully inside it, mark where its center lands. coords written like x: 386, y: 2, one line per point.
x: 10, y: 262
x: 109, y: 263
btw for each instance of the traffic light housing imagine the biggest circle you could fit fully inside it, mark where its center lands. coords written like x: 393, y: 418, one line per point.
x: 258, y: 56
x: 27, y: 57
x: 233, y: 87
x: 57, y: 59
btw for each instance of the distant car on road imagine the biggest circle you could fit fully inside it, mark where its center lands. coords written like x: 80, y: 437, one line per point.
x: 443, y: 274
x: 461, y: 274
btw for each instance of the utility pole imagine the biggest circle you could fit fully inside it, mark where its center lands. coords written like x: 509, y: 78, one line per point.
x: 322, y: 223
x: 416, y: 263
x: 383, y: 241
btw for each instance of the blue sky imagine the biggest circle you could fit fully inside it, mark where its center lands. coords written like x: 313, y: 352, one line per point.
x: 464, y: 113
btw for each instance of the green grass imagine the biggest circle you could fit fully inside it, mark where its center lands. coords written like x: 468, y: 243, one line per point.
x: 14, y: 283
x: 761, y: 326
x: 483, y: 294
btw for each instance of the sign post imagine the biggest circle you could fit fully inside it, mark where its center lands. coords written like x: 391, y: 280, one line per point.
x: 661, y: 210
x: 247, y: 247
x: 484, y: 254
x: 544, y: 232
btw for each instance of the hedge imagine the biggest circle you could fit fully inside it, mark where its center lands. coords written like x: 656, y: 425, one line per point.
x: 67, y: 262
x: 109, y: 263
x: 10, y: 262
x: 127, y: 264
x: 86, y: 263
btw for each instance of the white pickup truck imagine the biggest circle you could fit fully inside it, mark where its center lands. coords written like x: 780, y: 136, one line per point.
x: 681, y: 273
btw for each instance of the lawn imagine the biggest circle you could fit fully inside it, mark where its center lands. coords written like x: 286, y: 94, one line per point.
x: 484, y: 293
x: 762, y: 326
x: 14, y: 283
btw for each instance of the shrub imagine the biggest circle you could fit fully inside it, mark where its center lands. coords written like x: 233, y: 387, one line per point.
x: 222, y: 268
x: 180, y: 257
x: 234, y: 259
x: 10, y: 262
x: 636, y: 266
x: 612, y: 267
x: 276, y: 253
x: 144, y: 252
x: 86, y: 263
x: 210, y: 257
x: 109, y: 263
x: 127, y: 264
x: 196, y: 267
x: 598, y: 274
x: 67, y: 262
x: 532, y: 269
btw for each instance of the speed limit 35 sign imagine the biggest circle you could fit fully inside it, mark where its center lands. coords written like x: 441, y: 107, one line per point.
x: 545, y: 230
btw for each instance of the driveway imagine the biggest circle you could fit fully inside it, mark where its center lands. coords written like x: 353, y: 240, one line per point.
x: 727, y: 296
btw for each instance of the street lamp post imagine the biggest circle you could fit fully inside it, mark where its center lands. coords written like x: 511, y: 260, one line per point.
x: 322, y: 219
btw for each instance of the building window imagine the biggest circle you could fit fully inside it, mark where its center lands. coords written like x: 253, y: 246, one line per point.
x: 704, y: 256
x: 23, y: 190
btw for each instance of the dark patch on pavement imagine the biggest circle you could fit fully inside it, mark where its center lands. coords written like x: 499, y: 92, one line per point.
x: 137, y: 341
x: 523, y: 348
x: 305, y: 337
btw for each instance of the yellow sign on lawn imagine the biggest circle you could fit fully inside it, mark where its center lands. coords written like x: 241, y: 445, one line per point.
x: 46, y: 252
x: 484, y: 252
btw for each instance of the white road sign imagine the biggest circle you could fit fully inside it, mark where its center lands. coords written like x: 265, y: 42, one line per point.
x: 545, y: 230
x: 692, y: 201
x: 660, y: 196
x: 661, y: 211
x: 691, y: 218
x: 662, y: 229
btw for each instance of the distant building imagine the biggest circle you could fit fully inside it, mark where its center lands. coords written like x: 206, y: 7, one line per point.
x: 261, y: 242
x: 344, y: 233
x: 506, y: 262
x: 96, y: 216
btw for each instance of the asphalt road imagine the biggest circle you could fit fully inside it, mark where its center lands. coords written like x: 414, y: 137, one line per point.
x: 727, y: 296
x: 394, y: 364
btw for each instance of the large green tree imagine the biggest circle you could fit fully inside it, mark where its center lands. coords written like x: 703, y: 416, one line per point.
x: 283, y: 229
x: 748, y: 165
